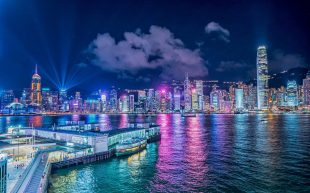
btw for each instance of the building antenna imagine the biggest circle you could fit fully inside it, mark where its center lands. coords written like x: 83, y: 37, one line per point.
x: 36, y: 69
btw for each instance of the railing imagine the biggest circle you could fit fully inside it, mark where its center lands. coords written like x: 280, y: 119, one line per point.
x: 23, y: 177
x: 44, y: 181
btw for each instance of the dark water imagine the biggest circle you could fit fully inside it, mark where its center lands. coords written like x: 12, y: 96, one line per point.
x: 207, y: 153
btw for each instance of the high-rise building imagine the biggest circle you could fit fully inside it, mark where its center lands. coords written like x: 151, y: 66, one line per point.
x: 157, y: 101
x: 262, y: 78
x: 25, y: 99
x: 176, y: 99
x: 292, y: 97
x: 150, y: 101
x: 123, y: 104
x: 103, y: 102
x: 163, y: 101
x: 131, y: 103
x: 306, y: 89
x: 46, y: 99
x: 219, y: 101
x: 3, y: 173
x: 113, y: 100
x: 187, y: 94
x: 36, y: 98
x: 239, y: 99
x: 142, y: 101
x: 199, y: 90
x: 6, y: 98
x: 63, y: 100
x: 194, y: 100
x: 280, y: 98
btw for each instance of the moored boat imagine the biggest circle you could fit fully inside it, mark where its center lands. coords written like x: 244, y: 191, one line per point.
x: 130, y: 146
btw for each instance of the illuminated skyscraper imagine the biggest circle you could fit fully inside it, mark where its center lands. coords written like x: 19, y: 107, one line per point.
x: 103, y: 102
x: 131, y: 103
x: 187, y: 94
x: 199, y: 90
x: 113, y: 100
x: 123, y: 104
x: 36, y: 98
x: 292, y: 97
x: 239, y: 98
x: 306, y: 87
x: 262, y: 78
x: 6, y: 98
x: 163, y: 101
x: 194, y: 100
x: 63, y: 100
x: 177, y: 99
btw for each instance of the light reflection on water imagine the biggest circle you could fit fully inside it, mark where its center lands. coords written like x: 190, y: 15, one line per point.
x: 207, y: 153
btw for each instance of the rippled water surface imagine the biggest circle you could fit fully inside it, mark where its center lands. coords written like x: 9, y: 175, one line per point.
x: 207, y: 153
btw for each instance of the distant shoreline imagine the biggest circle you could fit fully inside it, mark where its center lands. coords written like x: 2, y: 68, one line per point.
x: 145, y: 114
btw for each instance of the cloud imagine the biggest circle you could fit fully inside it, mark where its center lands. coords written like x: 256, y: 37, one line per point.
x: 219, y: 31
x: 158, y: 49
x: 231, y: 65
x: 281, y: 61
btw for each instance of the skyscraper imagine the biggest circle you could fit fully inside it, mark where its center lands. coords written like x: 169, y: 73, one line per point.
x: 306, y: 87
x: 194, y: 100
x: 36, y: 98
x: 187, y: 94
x: 6, y: 98
x: 262, y: 78
x: 131, y: 103
x: 177, y: 99
x: 292, y: 97
x: 113, y: 100
x: 199, y: 90
x: 150, y: 101
x: 239, y: 98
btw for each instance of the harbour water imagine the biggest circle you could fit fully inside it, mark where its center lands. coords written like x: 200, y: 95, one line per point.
x: 207, y: 153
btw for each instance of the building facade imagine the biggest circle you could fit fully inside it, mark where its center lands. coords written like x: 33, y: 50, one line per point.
x: 36, y: 98
x: 262, y: 78
x: 306, y: 89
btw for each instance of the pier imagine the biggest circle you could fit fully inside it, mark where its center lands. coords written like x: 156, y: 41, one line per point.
x: 65, y: 146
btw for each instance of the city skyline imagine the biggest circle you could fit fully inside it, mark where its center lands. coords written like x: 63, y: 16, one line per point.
x: 100, y: 54
x: 188, y: 96
x: 154, y: 96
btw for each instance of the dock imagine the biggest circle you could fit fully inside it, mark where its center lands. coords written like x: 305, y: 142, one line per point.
x: 68, y: 146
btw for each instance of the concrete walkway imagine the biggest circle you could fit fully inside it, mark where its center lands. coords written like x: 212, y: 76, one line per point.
x: 38, y: 175
x: 14, y: 173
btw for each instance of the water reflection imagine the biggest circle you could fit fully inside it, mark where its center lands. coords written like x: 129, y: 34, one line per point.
x: 207, y: 153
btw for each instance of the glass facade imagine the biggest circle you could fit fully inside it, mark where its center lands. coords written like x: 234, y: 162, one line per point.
x: 292, y: 94
x: 262, y: 78
x: 239, y: 98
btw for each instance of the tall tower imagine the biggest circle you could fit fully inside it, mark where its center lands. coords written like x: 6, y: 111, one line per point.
x: 187, y: 94
x: 306, y: 86
x: 199, y: 89
x: 262, y: 78
x: 36, y: 98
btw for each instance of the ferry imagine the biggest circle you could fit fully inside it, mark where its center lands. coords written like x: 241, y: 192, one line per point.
x: 130, y: 146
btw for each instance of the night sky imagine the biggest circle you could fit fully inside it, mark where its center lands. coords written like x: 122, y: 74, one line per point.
x: 89, y: 45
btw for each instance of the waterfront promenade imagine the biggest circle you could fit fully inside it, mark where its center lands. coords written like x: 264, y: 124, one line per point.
x: 63, y: 147
x: 39, y: 176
